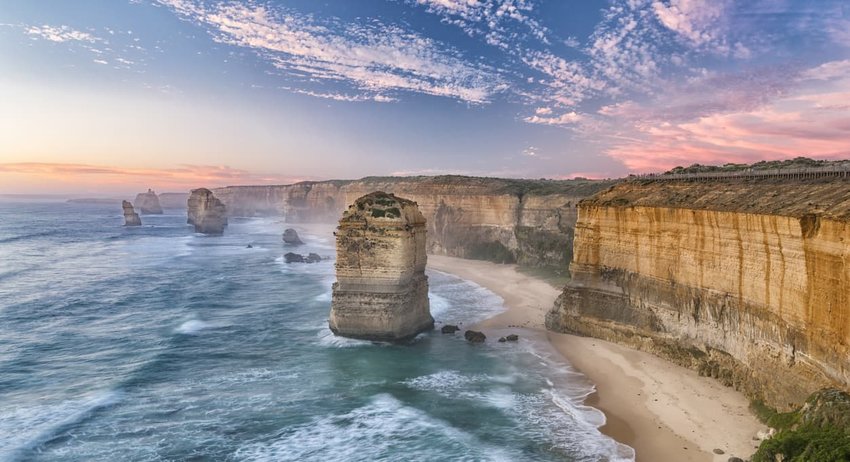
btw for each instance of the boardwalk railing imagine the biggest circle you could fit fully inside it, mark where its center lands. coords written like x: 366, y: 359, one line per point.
x: 842, y: 171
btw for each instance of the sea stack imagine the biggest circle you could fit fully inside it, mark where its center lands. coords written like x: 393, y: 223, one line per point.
x: 131, y: 218
x: 381, y: 291
x: 148, y: 203
x: 206, y: 212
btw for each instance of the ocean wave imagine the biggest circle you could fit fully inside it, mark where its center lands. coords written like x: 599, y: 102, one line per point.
x: 382, y: 429
x: 22, y: 429
x: 192, y: 327
x: 327, y: 338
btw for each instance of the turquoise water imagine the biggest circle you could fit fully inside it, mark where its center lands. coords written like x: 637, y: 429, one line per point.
x: 156, y: 343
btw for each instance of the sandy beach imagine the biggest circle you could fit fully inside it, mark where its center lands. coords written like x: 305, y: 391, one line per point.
x: 665, y: 412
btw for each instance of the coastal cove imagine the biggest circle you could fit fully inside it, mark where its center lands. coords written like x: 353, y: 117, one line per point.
x: 664, y: 411
x: 168, y: 344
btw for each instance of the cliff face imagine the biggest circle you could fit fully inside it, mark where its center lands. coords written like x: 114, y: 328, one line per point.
x: 381, y: 291
x: 131, y: 218
x: 206, y: 212
x: 747, y: 282
x: 530, y: 222
x: 148, y: 203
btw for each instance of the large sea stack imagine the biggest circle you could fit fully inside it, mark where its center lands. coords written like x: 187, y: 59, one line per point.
x: 381, y: 291
x: 206, y: 212
x: 131, y: 218
x: 148, y: 203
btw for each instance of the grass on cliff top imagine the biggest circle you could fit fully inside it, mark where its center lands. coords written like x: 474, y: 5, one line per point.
x: 799, y: 162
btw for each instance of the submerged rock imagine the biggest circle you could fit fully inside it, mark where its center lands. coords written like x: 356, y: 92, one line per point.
x: 131, y: 218
x: 206, y: 212
x: 290, y: 237
x: 290, y: 257
x: 473, y: 336
x: 449, y: 329
x: 381, y: 291
x: 148, y: 203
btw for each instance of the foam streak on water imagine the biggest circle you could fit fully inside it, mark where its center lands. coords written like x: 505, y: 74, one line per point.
x: 156, y: 343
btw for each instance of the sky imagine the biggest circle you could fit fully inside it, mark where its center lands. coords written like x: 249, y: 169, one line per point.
x: 121, y: 95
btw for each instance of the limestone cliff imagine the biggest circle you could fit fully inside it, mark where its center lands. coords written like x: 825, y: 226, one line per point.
x: 381, y: 291
x: 148, y: 203
x: 527, y: 221
x: 131, y: 218
x: 206, y: 212
x: 745, y: 280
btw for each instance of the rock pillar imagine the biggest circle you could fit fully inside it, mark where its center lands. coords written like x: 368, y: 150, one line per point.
x: 131, y: 218
x: 381, y: 291
x: 206, y: 212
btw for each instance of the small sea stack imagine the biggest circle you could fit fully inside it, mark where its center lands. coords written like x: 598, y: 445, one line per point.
x: 381, y: 291
x: 206, y: 212
x: 148, y: 203
x: 290, y: 237
x: 131, y: 218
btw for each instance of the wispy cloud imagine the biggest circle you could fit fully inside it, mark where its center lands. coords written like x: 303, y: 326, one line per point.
x: 60, y: 34
x: 371, y: 57
x: 810, y: 116
x: 495, y: 21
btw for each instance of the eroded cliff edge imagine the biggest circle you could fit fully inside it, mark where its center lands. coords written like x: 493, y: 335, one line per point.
x: 525, y: 221
x: 743, y: 280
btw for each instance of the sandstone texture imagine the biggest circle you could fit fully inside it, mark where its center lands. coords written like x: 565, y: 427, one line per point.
x: 148, y: 203
x: 131, y: 218
x: 530, y: 222
x: 206, y: 212
x: 381, y: 291
x: 747, y: 281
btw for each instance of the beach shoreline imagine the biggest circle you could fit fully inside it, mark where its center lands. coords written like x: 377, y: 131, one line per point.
x: 663, y: 411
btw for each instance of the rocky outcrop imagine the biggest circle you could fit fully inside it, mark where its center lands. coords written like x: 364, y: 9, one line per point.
x: 290, y: 237
x: 206, y: 212
x: 381, y: 291
x: 525, y: 221
x: 148, y: 203
x: 747, y: 281
x: 131, y: 218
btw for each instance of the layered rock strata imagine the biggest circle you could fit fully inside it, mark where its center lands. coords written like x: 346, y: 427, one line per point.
x: 381, y: 291
x: 747, y: 281
x: 206, y: 212
x: 131, y: 218
x: 148, y: 203
x: 525, y: 221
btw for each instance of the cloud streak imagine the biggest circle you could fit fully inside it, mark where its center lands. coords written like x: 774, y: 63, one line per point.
x: 372, y: 57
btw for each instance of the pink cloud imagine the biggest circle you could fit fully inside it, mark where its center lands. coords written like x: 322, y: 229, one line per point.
x: 745, y: 121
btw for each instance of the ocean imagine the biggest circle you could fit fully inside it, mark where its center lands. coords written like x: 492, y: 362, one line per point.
x: 159, y: 344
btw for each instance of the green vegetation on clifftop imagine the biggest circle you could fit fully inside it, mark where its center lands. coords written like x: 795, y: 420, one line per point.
x: 818, y: 432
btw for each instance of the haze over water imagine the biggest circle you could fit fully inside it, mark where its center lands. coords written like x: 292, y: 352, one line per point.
x: 156, y: 343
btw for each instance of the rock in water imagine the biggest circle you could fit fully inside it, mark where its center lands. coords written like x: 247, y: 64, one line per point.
x: 206, y: 212
x: 449, y: 329
x: 290, y: 257
x: 313, y: 258
x: 381, y: 291
x: 131, y: 218
x: 512, y: 338
x: 474, y: 336
x: 148, y: 203
x: 290, y: 237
